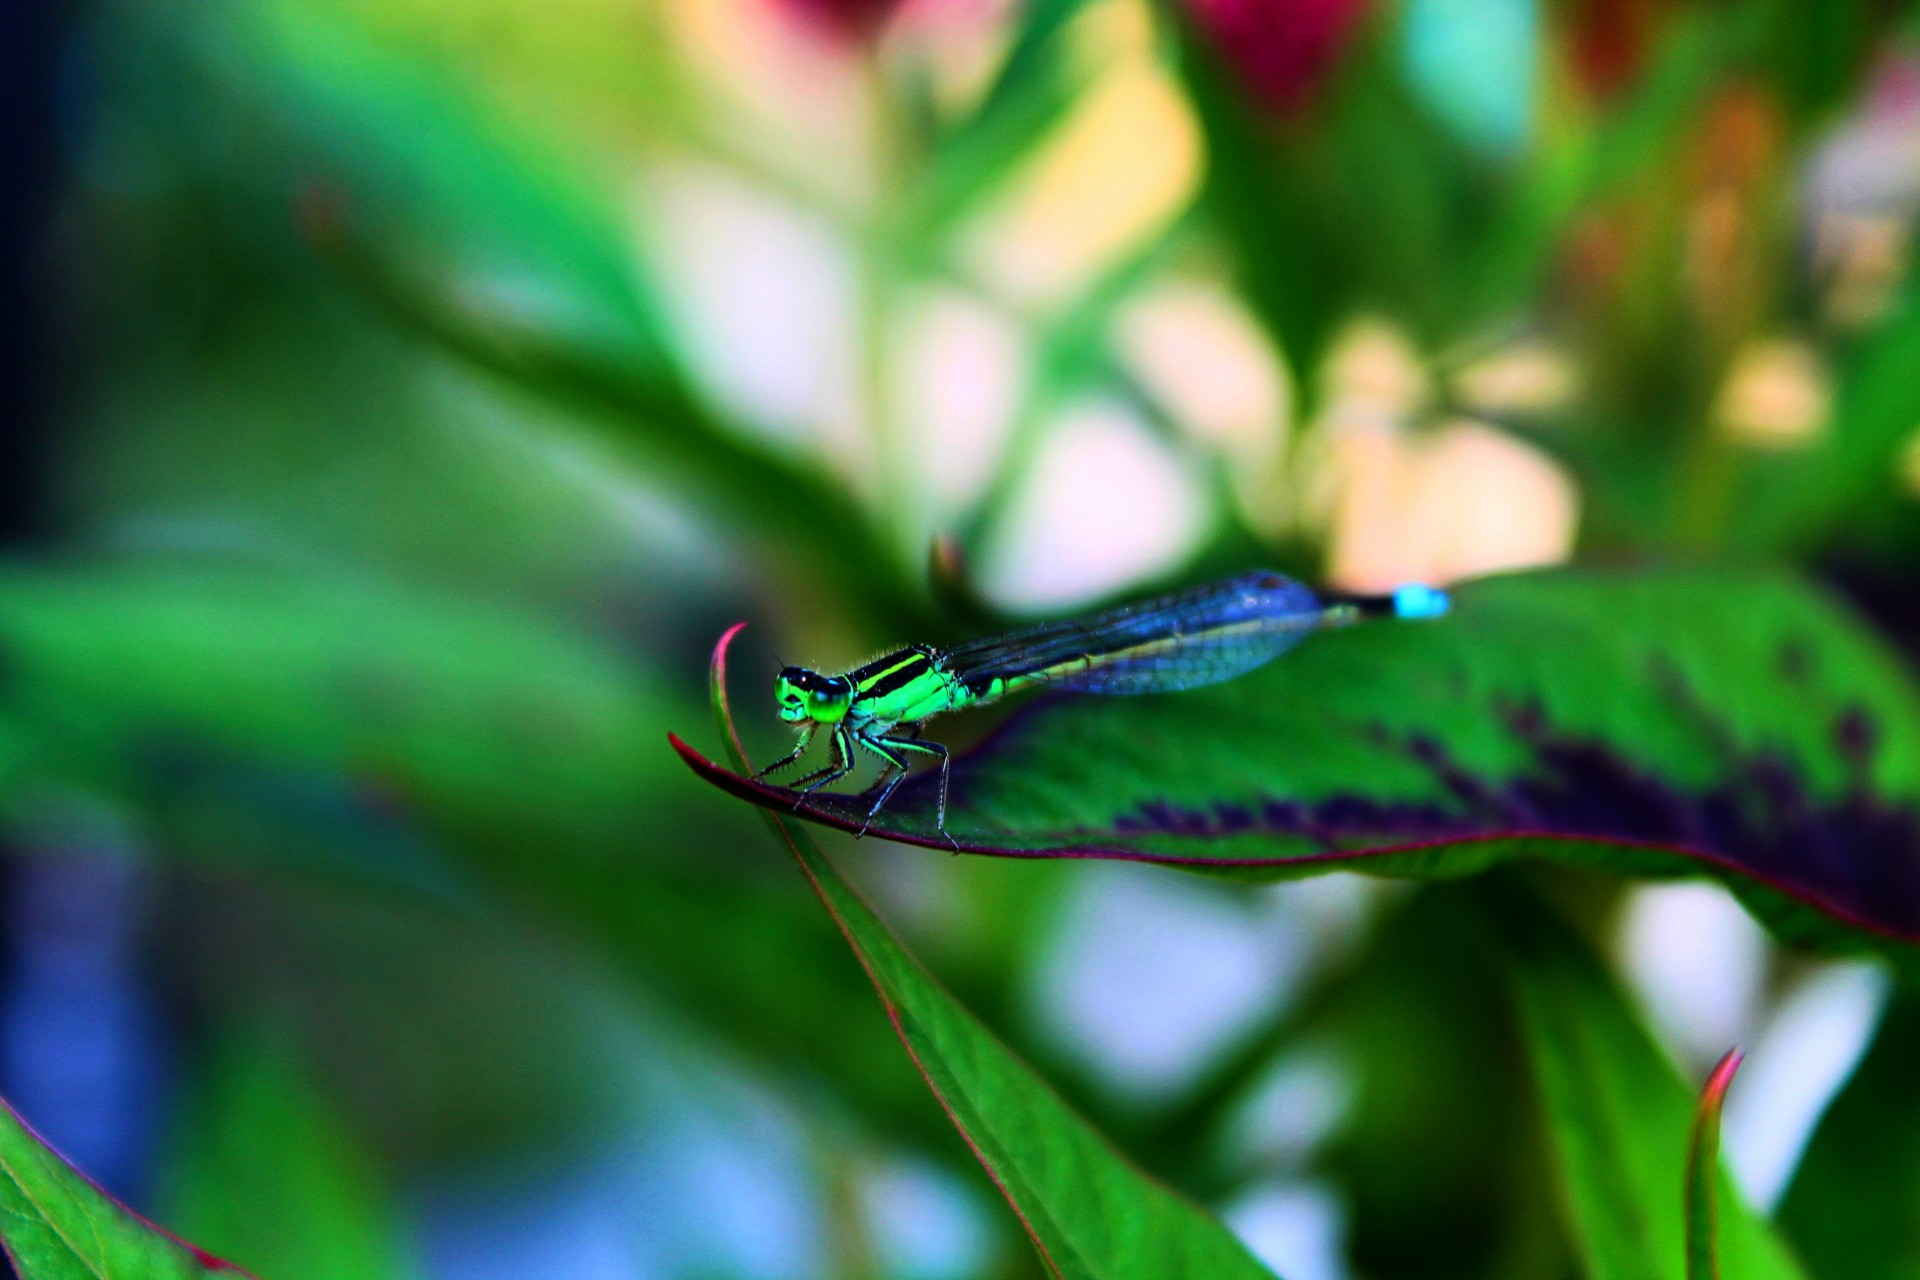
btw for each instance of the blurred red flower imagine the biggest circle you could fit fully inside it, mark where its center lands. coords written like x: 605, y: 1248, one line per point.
x: 1608, y: 40
x: 1281, y: 49
x: 853, y: 21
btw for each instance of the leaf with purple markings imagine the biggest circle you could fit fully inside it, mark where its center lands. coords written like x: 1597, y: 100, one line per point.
x: 1090, y: 1213
x: 1652, y: 724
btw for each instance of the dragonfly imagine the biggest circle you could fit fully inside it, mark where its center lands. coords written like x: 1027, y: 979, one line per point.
x: 1185, y: 640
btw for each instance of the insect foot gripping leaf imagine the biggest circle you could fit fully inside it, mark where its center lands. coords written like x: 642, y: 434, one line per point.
x: 1676, y: 722
x: 1090, y: 1213
x: 57, y: 1225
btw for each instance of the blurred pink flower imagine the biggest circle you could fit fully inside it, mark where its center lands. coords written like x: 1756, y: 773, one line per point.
x: 1281, y: 49
x: 852, y: 21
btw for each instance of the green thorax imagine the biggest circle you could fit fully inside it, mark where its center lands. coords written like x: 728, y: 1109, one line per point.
x: 905, y: 687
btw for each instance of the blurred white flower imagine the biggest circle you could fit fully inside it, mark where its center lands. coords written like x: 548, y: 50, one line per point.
x: 1104, y: 505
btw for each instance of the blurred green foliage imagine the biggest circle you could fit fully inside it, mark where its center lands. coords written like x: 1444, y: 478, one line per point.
x: 399, y: 505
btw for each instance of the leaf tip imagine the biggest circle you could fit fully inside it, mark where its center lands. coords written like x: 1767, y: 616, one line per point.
x: 1703, y: 1168
x: 717, y: 687
x: 1714, y: 1094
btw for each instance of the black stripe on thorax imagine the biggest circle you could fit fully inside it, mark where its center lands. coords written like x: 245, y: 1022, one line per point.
x: 892, y: 672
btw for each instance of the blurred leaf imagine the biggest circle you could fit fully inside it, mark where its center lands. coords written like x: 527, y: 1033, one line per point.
x: 787, y: 503
x: 1089, y: 1212
x: 1619, y: 1115
x: 1362, y: 199
x: 1703, y: 1174
x: 1272, y: 209
x: 390, y: 1030
x: 487, y: 240
x: 472, y: 752
x: 1036, y: 84
x: 421, y: 156
x: 1853, y: 1208
x: 1438, y: 1156
x: 1791, y: 503
x: 266, y: 1170
x: 487, y: 720
x: 56, y: 1225
x: 1652, y: 724
x: 1599, y: 158
x: 1815, y: 53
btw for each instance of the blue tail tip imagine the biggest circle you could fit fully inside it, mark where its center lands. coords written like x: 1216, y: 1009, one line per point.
x: 1417, y: 600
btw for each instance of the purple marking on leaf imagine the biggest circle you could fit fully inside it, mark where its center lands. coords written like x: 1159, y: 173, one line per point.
x: 1864, y: 874
x: 1232, y: 817
x: 1848, y: 854
x: 1856, y: 735
x: 1851, y: 856
x: 1856, y: 852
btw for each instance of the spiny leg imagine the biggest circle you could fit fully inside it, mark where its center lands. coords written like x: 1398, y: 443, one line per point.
x: 889, y: 761
x: 888, y: 748
x: 894, y: 774
x: 806, y: 740
x: 946, y: 768
x: 842, y: 765
x: 836, y: 767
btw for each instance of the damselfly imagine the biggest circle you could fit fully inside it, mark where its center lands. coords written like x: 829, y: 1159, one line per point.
x: 1180, y: 641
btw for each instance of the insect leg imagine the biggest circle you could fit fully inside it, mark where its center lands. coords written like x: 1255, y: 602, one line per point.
x: 834, y: 768
x: 896, y: 767
x: 806, y: 740
x: 890, y: 761
x: 946, y: 768
x: 842, y: 765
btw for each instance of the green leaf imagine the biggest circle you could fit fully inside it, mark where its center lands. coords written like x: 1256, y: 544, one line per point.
x: 267, y: 1170
x: 56, y: 1225
x: 479, y: 236
x: 1789, y: 504
x: 345, y: 727
x: 1619, y: 1115
x: 1029, y: 96
x: 1703, y: 1174
x: 1269, y: 205
x: 790, y: 501
x: 421, y: 154
x: 1090, y: 1213
x: 1438, y: 1156
x: 1650, y: 724
x: 1853, y: 1208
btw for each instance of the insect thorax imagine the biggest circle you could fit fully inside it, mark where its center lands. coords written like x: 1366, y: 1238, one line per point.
x: 903, y: 687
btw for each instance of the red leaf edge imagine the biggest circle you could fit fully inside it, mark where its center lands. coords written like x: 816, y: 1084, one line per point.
x: 1703, y: 1172
x: 200, y: 1255
x: 723, y: 715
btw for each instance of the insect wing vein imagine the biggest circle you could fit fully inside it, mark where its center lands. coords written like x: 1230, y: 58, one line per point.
x: 1179, y: 641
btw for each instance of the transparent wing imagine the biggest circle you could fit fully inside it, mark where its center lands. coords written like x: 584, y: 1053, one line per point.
x: 1180, y: 641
